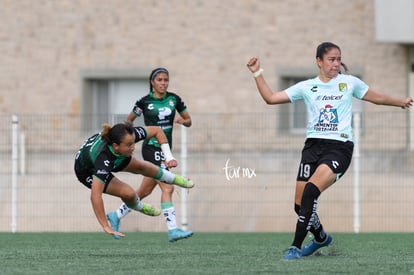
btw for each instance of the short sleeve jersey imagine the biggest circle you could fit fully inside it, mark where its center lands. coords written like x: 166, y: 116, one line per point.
x: 159, y: 112
x: 329, y: 105
x: 98, y: 159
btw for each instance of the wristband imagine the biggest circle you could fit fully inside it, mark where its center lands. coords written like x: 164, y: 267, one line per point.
x: 258, y: 72
x: 165, y: 148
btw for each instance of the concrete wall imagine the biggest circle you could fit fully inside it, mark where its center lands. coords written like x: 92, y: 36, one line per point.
x: 44, y: 45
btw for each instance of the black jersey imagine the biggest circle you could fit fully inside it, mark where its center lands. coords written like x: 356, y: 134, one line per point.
x: 159, y: 112
x: 97, y: 158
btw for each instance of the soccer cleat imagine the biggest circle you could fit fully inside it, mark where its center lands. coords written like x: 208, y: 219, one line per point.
x: 183, y: 182
x: 114, y: 221
x: 149, y: 210
x: 178, y: 234
x: 293, y: 253
x: 313, y: 245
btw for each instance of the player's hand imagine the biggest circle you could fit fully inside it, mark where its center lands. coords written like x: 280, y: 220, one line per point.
x: 408, y: 102
x: 253, y: 64
x: 179, y: 120
x: 110, y: 231
x: 172, y: 163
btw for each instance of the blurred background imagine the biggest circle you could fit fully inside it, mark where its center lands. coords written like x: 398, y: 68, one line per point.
x: 68, y: 66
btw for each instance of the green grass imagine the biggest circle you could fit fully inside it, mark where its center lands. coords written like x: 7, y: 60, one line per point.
x: 204, y: 253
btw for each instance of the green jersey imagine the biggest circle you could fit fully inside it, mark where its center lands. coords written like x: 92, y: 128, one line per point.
x: 97, y: 158
x: 159, y: 112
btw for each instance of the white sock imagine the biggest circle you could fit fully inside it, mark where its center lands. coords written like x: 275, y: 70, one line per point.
x: 123, y: 210
x: 170, y: 219
x: 167, y: 176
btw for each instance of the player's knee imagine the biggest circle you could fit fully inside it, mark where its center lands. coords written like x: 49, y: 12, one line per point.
x: 129, y: 197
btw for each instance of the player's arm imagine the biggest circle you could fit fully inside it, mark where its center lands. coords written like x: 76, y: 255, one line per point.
x: 184, y: 119
x: 131, y: 117
x: 98, y: 206
x: 136, y: 111
x: 383, y: 99
x: 267, y: 94
x: 158, y: 133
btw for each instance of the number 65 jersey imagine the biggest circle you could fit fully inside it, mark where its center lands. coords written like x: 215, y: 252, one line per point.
x: 159, y: 112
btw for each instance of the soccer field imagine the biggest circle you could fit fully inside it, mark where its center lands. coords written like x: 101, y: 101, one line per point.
x: 204, y: 253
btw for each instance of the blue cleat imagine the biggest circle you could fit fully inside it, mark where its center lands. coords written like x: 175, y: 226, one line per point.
x: 114, y: 221
x: 292, y: 253
x: 313, y: 245
x: 178, y: 234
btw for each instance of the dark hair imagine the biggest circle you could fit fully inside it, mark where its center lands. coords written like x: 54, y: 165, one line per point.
x: 154, y: 74
x: 324, y: 47
x: 115, y: 133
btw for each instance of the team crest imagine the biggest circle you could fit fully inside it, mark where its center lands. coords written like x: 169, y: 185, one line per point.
x: 171, y: 102
x: 343, y: 87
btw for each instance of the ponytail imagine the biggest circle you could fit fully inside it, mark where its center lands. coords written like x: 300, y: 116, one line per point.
x: 106, y: 128
x: 344, y: 66
x: 116, y: 133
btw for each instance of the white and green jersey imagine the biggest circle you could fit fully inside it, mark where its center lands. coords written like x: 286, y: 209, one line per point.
x: 329, y: 105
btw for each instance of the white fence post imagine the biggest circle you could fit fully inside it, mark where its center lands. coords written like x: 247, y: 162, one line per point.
x: 15, y: 159
x: 357, y: 155
x: 22, y: 151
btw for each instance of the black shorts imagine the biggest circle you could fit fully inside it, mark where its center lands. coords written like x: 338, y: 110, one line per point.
x: 336, y: 154
x: 154, y: 155
x: 85, y: 177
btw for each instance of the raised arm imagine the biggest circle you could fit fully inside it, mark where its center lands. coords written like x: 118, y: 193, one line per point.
x: 383, y: 99
x: 267, y: 94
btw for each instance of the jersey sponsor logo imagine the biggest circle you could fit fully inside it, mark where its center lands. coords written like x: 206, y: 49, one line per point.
x: 329, y: 97
x: 343, y: 87
x: 164, y: 112
x: 161, y: 122
x: 102, y: 172
x: 328, y: 115
x: 328, y: 119
x: 167, y: 127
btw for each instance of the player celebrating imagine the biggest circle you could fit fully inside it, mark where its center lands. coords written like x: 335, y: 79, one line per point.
x: 328, y: 148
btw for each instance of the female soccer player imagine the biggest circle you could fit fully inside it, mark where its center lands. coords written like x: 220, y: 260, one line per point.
x: 328, y: 147
x: 158, y: 109
x: 111, y: 151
